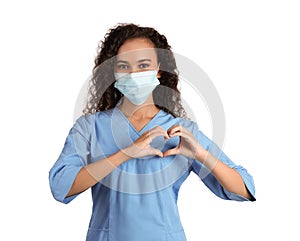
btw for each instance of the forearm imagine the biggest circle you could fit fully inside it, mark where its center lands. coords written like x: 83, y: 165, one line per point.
x: 92, y: 173
x: 228, y: 177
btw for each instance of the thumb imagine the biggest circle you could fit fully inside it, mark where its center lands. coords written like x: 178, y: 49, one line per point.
x: 170, y: 152
x: 156, y: 152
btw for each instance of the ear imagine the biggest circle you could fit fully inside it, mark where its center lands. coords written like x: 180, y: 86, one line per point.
x: 158, y: 74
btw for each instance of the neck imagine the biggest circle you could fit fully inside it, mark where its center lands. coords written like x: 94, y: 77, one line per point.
x: 147, y: 109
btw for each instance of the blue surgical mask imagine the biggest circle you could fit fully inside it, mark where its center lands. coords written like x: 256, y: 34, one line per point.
x: 136, y: 86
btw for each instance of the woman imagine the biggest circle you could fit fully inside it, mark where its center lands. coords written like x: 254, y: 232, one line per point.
x: 134, y: 146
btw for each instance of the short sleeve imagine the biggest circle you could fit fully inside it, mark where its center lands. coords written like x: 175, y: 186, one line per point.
x: 75, y: 154
x: 208, y: 178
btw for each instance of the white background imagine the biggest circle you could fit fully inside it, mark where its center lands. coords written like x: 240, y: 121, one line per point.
x: 249, y: 49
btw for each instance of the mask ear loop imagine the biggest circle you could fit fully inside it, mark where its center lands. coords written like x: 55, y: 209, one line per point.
x: 157, y: 70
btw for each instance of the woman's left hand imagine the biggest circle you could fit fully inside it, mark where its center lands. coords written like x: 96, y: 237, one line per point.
x: 188, y: 145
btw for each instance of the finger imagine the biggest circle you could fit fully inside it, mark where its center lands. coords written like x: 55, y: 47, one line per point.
x: 171, y: 152
x: 176, y: 133
x: 181, y: 135
x: 173, y: 129
x: 156, y: 152
x: 180, y: 131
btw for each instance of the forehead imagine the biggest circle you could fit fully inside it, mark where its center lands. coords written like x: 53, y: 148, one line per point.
x: 135, y: 49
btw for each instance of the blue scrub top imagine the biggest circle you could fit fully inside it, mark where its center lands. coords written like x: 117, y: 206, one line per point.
x: 138, y: 200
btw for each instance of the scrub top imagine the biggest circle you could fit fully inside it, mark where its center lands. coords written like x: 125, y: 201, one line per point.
x: 138, y: 200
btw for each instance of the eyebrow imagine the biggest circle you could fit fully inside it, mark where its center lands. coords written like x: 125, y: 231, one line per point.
x: 122, y: 61
x: 144, y: 60
x: 139, y: 61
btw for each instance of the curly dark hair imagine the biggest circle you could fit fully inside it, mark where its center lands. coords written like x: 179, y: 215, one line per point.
x: 102, y: 95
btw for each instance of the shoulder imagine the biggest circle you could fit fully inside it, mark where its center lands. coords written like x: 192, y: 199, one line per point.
x: 88, y: 121
x: 86, y: 125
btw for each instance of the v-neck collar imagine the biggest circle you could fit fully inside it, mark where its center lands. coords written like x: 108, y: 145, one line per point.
x: 145, y: 126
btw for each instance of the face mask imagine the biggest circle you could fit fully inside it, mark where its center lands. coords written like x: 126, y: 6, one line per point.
x: 136, y: 86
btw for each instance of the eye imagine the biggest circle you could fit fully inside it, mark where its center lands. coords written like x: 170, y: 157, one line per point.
x: 122, y: 66
x: 144, y: 66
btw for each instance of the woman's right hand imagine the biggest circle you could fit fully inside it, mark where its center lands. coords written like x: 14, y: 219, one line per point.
x: 141, y: 147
